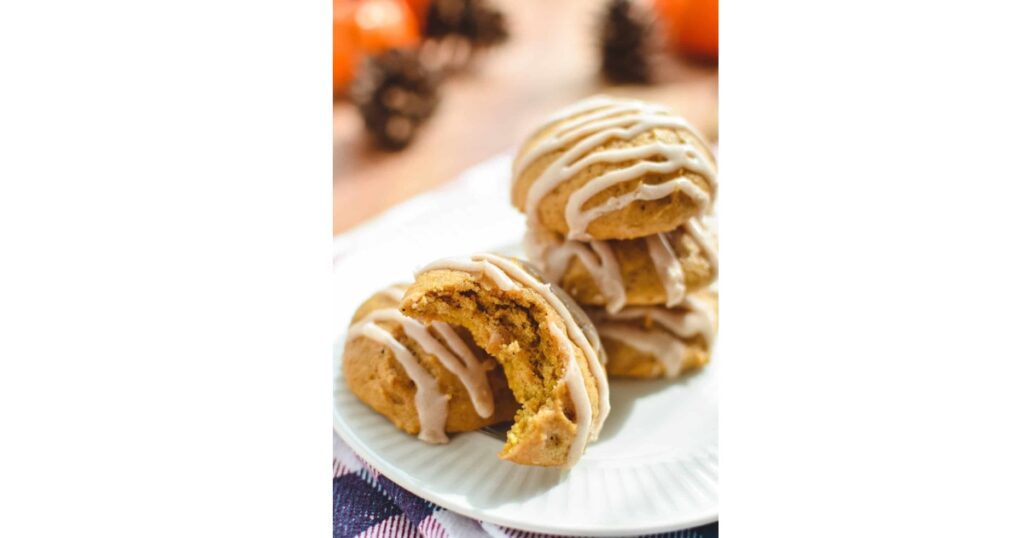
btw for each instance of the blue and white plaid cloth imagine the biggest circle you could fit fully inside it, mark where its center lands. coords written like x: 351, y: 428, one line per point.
x: 368, y: 505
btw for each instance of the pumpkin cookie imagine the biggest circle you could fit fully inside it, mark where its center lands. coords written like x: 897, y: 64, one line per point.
x: 426, y: 379
x: 608, y: 168
x: 546, y: 345
x: 653, y: 341
x: 657, y: 269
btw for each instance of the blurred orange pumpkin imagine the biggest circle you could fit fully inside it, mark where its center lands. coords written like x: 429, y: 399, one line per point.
x: 692, y: 25
x: 367, y: 27
x: 419, y: 7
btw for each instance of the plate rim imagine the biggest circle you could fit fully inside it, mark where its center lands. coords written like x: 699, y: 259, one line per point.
x: 398, y: 476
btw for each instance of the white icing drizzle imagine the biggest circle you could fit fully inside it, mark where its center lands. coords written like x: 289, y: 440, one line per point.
x: 597, y: 257
x: 698, y: 230
x: 456, y: 357
x: 472, y: 266
x: 577, y: 392
x: 505, y: 274
x: 695, y: 318
x: 471, y: 371
x: 592, y: 107
x: 394, y: 292
x: 670, y: 271
x: 701, y: 319
x: 553, y: 254
x: 463, y: 363
x: 431, y: 404
x: 666, y: 341
x: 607, y: 275
x: 666, y: 348
x: 601, y: 119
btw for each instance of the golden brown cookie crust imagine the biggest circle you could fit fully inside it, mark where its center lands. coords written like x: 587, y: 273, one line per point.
x: 517, y: 327
x: 638, y: 218
x: 376, y: 377
x: 626, y: 360
x: 640, y: 279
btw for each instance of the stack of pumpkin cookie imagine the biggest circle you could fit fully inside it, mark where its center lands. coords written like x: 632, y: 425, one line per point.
x: 619, y: 197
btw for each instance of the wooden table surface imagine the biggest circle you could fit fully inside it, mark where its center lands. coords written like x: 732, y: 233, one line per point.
x: 549, y: 61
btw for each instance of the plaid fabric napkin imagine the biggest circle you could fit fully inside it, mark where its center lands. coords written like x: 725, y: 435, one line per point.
x: 367, y: 504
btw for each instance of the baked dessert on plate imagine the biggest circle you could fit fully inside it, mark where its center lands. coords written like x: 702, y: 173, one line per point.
x: 619, y: 202
x: 654, y: 467
x: 656, y: 341
x: 651, y: 270
x: 618, y: 197
x: 428, y: 380
x: 612, y: 168
x: 548, y: 348
x: 477, y: 341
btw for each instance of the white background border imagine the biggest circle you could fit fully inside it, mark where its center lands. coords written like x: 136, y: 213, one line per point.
x: 165, y: 207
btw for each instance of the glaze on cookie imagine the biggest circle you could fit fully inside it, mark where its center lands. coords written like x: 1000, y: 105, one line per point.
x: 428, y: 380
x: 654, y: 341
x: 546, y: 345
x: 657, y: 269
x: 610, y: 168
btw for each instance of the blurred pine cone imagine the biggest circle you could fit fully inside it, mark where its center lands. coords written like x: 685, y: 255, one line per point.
x: 626, y: 36
x: 476, y: 20
x: 395, y: 94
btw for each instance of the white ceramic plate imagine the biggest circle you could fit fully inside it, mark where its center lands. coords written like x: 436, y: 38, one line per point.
x: 655, y: 467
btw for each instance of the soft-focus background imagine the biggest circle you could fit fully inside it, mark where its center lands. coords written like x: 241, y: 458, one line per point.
x: 477, y: 76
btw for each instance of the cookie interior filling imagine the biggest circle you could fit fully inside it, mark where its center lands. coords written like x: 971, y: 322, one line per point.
x: 510, y: 331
